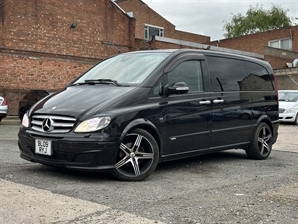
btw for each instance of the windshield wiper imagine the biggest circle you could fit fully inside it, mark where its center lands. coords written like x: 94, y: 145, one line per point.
x: 102, y: 81
x: 78, y: 84
x: 96, y: 81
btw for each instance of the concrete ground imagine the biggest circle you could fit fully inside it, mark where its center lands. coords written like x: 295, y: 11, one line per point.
x: 45, y: 207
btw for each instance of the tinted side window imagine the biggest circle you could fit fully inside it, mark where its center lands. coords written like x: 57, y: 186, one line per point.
x: 226, y: 74
x: 189, y: 72
x: 258, y: 78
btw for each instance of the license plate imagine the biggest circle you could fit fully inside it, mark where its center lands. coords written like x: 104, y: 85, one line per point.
x: 43, y: 147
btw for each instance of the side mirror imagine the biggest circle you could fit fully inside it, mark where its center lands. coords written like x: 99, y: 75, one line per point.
x: 177, y: 88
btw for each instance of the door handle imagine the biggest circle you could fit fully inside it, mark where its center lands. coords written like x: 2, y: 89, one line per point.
x: 205, y: 102
x: 218, y: 101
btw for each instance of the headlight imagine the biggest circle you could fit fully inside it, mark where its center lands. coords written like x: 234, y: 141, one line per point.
x: 25, y: 120
x: 93, y: 124
x: 291, y: 110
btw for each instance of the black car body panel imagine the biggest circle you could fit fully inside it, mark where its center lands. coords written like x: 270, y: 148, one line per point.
x: 184, y: 119
x: 79, y: 100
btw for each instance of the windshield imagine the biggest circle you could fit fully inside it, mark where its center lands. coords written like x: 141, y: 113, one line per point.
x: 288, y: 96
x: 125, y: 68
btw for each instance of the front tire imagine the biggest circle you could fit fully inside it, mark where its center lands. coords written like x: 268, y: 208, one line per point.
x: 137, y: 157
x: 261, y: 145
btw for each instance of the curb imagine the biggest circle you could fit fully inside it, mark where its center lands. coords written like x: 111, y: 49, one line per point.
x: 11, y: 117
x: 11, y: 120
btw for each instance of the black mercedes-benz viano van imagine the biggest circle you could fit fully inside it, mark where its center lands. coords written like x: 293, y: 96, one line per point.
x: 134, y: 110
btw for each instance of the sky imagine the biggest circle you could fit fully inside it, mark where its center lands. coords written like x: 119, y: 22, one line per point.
x: 207, y: 17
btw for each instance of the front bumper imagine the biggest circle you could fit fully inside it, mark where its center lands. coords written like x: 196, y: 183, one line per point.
x: 79, y: 153
x: 289, y: 117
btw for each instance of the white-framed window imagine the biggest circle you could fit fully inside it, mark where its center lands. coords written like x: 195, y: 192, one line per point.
x: 285, y: 43
x: 150, y: 31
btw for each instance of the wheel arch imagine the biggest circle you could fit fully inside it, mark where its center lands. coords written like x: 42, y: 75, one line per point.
x: 146, y: 125
x: 261, y: 119
x: 265, y: 119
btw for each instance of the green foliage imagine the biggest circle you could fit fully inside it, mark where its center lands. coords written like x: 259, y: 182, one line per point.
x: 257, y: 19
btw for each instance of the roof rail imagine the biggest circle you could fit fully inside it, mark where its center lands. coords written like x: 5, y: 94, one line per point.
x: 208, y: 47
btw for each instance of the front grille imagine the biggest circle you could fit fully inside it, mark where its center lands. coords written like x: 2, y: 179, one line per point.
x: 58, y: 124
x: 281, y: 110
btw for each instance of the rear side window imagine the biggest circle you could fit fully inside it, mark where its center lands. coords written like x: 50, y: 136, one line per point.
x: 226, y: 74
x: 258, y: 78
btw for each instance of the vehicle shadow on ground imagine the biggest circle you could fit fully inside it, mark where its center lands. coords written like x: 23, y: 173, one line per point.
x: 204, y: 162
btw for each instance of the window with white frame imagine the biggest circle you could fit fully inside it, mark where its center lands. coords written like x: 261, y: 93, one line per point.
x: 285, y: 43
x: 151, y: 31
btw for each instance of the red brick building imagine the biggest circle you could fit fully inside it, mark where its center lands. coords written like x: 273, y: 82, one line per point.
x: 149, y: 23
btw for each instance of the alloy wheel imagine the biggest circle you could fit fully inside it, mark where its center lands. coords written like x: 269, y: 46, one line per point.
x: 137, y: 157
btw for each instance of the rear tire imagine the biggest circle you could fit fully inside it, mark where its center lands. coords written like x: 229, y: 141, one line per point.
x: 261, y: 145
x: 137, y: 157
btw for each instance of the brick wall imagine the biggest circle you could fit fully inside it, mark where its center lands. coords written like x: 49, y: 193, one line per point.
x: 276, y: 62
x: 23, y: 72
x: 38, y: 49
x: 287, y: 78
x: 44, y: 26
x: 20, y: 73
x: 1, y: 19
x: 192, y: 37
x: 279, y: 57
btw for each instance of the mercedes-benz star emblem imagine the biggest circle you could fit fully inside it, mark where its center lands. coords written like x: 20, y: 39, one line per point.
x: 47, y: 124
